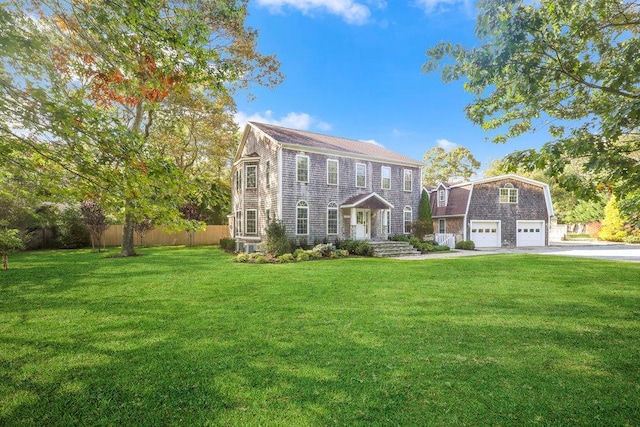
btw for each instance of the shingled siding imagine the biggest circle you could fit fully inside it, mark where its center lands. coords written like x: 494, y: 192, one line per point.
x: 265, y: 197
x: 485, y: 205
x: 318, y: 194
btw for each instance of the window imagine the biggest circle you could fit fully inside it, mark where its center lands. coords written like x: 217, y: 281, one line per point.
x: 239, y: 221
x: 385, y: 172
x: 386, y: 221
x: 332, y: 218
x: 408, y: 219
x: 332, y: 172
x: 267, y: 177
x: 238, y: 179
x: 251, y: 219
x: 302, y: 168
x: 408, y: 180
x: 302, y: 218
x: 508, y: 194
x: 252, y: 178
x: 442, y: 197
x: 442, y: 226
x: 361, y: 175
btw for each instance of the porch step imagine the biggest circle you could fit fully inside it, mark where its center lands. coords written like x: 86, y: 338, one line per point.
x: 390, y: 248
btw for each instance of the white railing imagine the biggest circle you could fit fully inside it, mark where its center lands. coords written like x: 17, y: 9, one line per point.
x: 446, y: 239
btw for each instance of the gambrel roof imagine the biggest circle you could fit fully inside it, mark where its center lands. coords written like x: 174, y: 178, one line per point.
x: 325, y: 144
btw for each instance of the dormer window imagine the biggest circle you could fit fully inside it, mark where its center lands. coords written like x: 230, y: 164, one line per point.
x: 442, y: 197
x: 508, y: 194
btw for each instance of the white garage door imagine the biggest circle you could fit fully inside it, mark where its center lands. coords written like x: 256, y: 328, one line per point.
x: 485, y: 234
x: 530, y: 233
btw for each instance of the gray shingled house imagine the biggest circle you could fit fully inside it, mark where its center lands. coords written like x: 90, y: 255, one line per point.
x: 322, y: 187
x: 508, y: 210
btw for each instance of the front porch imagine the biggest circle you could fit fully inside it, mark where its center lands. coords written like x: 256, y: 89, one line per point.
x: 366, y: 217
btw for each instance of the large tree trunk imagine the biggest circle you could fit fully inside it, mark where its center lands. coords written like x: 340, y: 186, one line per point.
x: 128, y: 247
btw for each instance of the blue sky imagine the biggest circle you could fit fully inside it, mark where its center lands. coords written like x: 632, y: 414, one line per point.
x: 353, y: 70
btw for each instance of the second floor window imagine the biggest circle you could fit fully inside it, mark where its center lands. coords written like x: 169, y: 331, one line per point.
x: 302, y: 168
x: 361, y: 175
x: 238, y: 180
x: 385, y: 171
x: 332, y: 172
x: 508, y: 194
x: 252, y: 176
x: 408, y: 180
x: 268, y: 173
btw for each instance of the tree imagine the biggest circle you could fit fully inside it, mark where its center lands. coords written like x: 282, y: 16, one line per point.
x: 192, y: 220
x: 81, y: 84
x: 95, y: 220
x: 424, y: 224
x: 570, y: 66
x: 441, y: 165
x: 613, y: 224
x: 142, y: 227
x: 10, y: 241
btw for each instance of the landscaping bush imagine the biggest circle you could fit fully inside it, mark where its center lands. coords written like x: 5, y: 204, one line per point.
x: 440, y: 248
x: 302, y: 255
x: 228, y: 244
x: 399, y: 238
x: 285, y: 258
x: 276, y: 242
x: 325, y: 249
x: 348, y: 245
x: 466, y: 244
x: 72, y: 233
x: 634, y: 237
x: 364, y: 249
x: 242, y: 257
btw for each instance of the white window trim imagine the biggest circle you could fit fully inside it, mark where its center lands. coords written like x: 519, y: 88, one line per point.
x: 239, y: 224
x: 246, y: 177
x: 306, y: 207
x: 337, y: 171
x: 299, y: 156
x: 365, y: 175
x: 510, y: 190
x: 333, y: 207
x: 442, y: 224
x: 382, y: 169
x: 246, y: 221
x: 404, y: 180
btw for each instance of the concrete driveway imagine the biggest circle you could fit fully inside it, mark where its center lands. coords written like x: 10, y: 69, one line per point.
x: 596, y: 250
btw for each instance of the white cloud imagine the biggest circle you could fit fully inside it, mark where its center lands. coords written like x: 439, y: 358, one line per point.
x: 446, y: 144
x: 430, y: 6
x: 300, y: 121
x: 352, y: 12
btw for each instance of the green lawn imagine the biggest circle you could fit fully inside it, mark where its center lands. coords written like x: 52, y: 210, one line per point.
x: 188, y: 337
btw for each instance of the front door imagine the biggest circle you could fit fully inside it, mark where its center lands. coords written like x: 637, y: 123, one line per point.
x: 363, y: 224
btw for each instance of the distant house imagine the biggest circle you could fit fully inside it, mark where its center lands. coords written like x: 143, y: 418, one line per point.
x: 507, y: 210
x: 323, y: 187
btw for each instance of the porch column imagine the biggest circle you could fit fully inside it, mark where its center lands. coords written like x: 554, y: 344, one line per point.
x: 353, y: 223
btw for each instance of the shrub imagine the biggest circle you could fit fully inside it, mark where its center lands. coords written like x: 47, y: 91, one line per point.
x: 260, y: 259
x: 325, y: 249
x: 466, y: 244
x: 399, y: 238
x: 276, y: 242
x: 364, y: 249
x: 242, y: 257
x: 285, y: 258
x: 425, y: 247
x: 415, y: 242
x: 634, y: 237
x: 302, y: 255
x: 348, y: 245
x: 72, y: 233
x: 440, y: 248
x: 314, y: 254
x: 228, y: 244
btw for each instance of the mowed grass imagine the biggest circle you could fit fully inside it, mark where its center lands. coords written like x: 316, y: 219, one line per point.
x: 185, y: 336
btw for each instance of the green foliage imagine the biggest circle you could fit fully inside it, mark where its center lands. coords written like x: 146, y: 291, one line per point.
x: 570, y: 63
x: 632, y: 237
x: 613, y: 224
x: 228, y: 244
x: 285, y: 258
x: 399, y: 238
x: 10, y: 241
x: 364, y: 249
x: 441, y: 165
x: 72, y: 233
x: 466, y: 244
x: 302, y: 255
x: 586, y: 212
x: 95, y: 220
x: 276, y: 242
x: 424, y: 211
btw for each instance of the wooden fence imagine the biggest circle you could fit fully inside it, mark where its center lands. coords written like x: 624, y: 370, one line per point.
x: 161, y: 237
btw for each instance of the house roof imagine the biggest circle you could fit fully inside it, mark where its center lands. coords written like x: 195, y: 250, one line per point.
x: 457, y: 202
x: 368, y: 201
x: 309, y: 141
x: 459, y: 195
